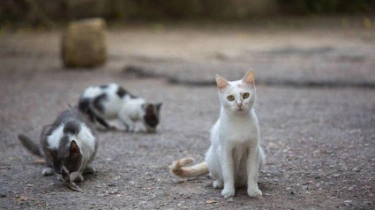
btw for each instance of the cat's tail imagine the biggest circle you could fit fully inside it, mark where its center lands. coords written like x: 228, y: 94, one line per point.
x: 179, y: 168
x: 30, y: 145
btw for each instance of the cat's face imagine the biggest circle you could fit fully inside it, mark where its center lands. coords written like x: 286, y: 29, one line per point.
x: 237, y: 96
x: 151, y: 117
x: 66, y: 160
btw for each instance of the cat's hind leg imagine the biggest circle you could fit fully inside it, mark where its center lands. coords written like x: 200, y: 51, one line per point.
x: 89, y: 170
x: 214, y: 168
x: 76, y: 177
x: 218, y: 184
x: 48, y: 171
x: 104, y: 123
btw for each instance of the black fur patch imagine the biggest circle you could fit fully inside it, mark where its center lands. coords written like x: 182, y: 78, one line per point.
x: 121, y: 92
x: 132, y: 96
x: 63, y: 150
x: 72, y: 127
x: 73, y: 161
x: 97, y: 103
x: 84, y: 105
x: 150, y: 117
x: 103, y: 86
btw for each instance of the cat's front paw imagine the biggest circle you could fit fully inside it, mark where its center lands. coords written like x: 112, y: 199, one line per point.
x: 130, y: 129
x: 47, y: 171
x: 217, y: 184
x: 89, y: 170
x: 228, y: 192
x: 254, y: 192
x: 79, y: 178
x: 76, y: 177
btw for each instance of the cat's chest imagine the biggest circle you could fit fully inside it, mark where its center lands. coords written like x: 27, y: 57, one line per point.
x: 240, y: 131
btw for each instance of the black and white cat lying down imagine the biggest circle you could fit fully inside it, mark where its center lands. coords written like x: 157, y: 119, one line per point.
x: 68, y: 147
x: 111, y: 101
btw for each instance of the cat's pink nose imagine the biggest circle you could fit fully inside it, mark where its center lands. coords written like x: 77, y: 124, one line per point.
x: 239, y: 105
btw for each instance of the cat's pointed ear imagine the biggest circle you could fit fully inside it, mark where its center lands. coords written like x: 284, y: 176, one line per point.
x: 249, y: 78
x: 158, y: 105
x: 74, y: 149
x: 221, y: 82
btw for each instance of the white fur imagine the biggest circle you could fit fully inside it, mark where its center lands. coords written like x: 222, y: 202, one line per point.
x: 55, y: 137
x: 235, y: 156
x: 85, y: 141
x: 132, y: 112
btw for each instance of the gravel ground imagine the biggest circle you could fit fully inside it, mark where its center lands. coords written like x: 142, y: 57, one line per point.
x: 319, y: 140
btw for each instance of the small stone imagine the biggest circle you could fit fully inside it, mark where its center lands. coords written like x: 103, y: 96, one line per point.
x: 230, y: 200
x: 210, y: 201
x: 29, y: 185
x: 348, y: 201
x: 356, y: 170
x: 3, y: 194
x: 336, y: 175
x: 272, y: 145
x: 22, y: 198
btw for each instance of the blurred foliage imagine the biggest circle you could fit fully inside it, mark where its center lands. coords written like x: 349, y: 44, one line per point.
x: 46, y: 12
x: 327, y: 6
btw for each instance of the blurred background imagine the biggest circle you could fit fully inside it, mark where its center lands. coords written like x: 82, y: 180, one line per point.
x: 46, y: 12
x: 314, y: 62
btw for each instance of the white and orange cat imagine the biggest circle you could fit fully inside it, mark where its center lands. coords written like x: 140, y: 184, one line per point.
x: 235, y: 156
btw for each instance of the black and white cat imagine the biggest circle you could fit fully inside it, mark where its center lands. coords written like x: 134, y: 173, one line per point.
x: 68, y: 147
x: 106, y: 102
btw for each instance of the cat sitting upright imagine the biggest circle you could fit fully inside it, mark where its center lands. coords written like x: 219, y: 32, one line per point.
x: 235, y: 156
x: 68, y: 147
x: 113, y: 101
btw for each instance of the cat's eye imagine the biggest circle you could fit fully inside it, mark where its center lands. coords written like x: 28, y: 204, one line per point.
x: 230, y: 97
x: 245, y: 95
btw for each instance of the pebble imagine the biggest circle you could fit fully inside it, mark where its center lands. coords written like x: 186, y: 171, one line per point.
x: 356, y: 170
x: 211, y: 201
x: 3, y: 194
